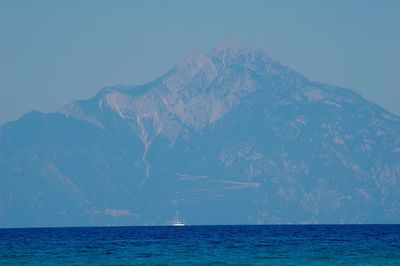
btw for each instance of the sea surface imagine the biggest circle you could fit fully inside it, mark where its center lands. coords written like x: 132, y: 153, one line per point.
x: 203, y: 245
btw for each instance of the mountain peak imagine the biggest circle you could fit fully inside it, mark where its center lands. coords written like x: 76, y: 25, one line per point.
x: 200, y: 69
x: 231, y: 51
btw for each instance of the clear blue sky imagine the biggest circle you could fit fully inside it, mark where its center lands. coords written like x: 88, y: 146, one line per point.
x: 54, y: 52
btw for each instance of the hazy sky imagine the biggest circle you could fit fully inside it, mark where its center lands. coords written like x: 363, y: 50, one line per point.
x: 55, y: 52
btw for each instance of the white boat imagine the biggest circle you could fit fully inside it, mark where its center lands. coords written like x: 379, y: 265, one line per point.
x: 177, y: 222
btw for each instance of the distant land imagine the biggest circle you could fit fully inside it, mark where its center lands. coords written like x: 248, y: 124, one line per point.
x: 227, y: 137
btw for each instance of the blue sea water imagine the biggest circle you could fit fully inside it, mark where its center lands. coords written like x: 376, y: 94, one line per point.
x: 203, y: 245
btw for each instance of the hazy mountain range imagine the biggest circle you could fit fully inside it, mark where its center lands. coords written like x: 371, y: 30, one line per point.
x: 229, y: 137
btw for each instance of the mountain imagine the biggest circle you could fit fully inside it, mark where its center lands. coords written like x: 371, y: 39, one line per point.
x: 228, y: 137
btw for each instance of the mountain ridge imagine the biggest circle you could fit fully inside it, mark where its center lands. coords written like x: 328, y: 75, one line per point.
x: 232, y: 136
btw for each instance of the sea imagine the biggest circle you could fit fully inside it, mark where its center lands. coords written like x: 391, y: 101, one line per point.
x: 203, y: 245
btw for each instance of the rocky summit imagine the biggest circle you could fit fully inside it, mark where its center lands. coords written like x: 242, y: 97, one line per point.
x: 227, y: 137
